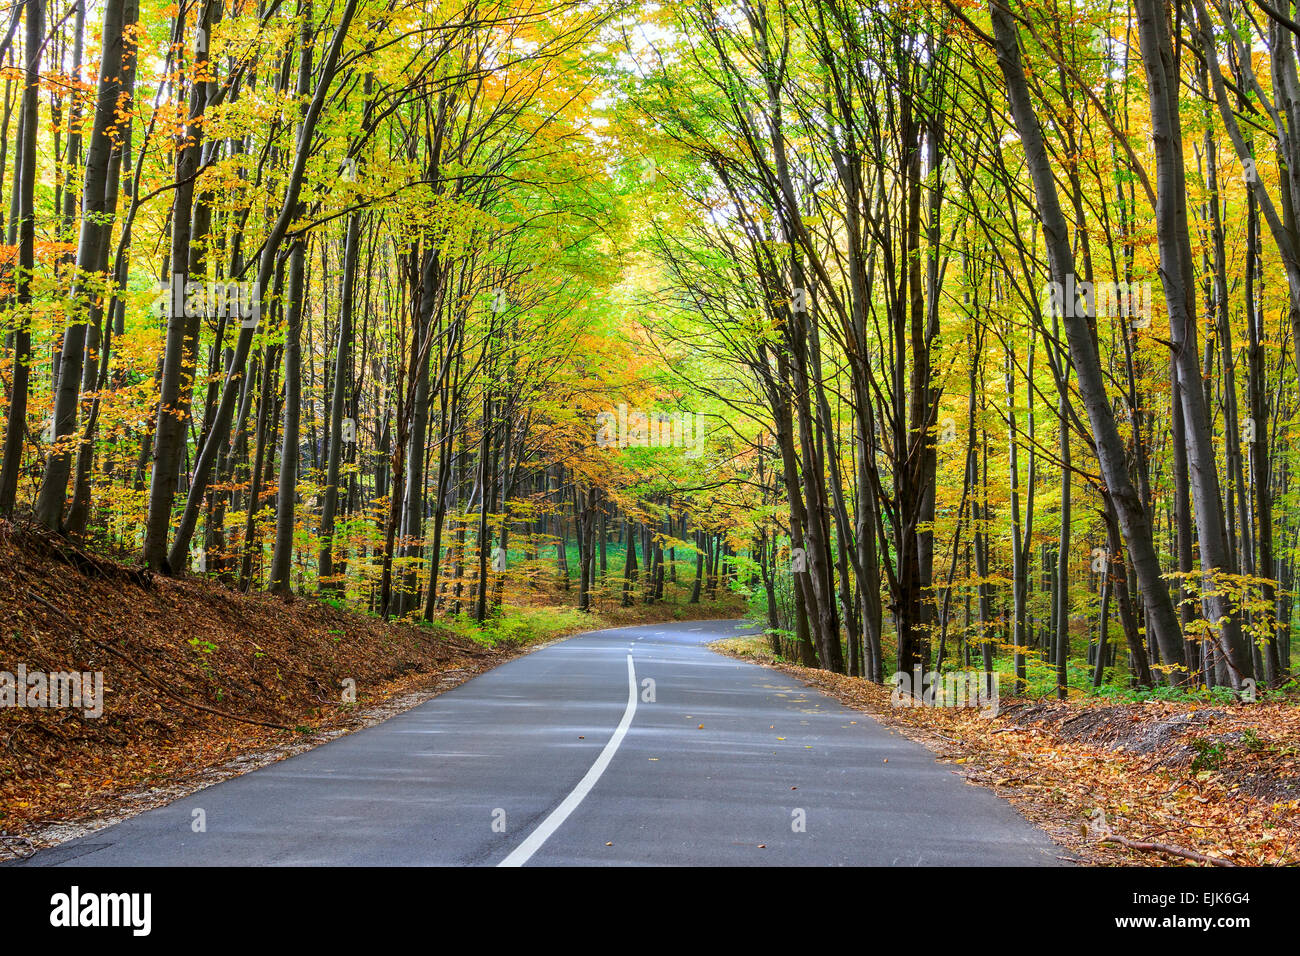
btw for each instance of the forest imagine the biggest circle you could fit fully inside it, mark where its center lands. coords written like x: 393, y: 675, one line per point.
x: 941, y: 334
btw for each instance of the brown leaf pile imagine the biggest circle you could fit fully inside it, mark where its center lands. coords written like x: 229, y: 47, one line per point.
x: 168, y: 649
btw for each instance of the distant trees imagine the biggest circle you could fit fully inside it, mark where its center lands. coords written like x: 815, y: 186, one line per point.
x: 890, y: 211
x: 407, y: 306
x: 324, y: 322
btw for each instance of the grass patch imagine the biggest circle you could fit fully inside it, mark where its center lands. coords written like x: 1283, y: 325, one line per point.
x: 519, y: 627
x: 751, y: 647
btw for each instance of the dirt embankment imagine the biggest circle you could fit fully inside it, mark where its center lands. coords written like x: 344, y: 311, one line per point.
x: 194, y: 675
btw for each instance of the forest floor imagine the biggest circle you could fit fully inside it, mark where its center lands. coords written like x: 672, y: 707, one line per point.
x: 1138, y: 784
x: 201, y: 683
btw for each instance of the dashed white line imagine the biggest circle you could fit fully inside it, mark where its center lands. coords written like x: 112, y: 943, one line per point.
x: 533, y: 843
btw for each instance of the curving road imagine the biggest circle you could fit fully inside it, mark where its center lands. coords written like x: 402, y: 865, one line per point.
x: 567, y: 756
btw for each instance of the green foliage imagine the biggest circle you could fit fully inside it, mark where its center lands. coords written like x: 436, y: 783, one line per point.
x: 204, y: 649
x: 1204, y: 695
x: 1209, y: 754
x: 518, y: 627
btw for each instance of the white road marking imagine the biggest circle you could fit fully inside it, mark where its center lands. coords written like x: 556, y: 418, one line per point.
x: 533, y: 843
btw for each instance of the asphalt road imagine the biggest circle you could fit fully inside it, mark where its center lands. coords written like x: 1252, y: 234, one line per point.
x: 568, y: 757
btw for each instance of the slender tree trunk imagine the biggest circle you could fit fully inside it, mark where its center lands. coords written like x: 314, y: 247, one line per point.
x: 1134, y: 518
x: 1177, y: 277
x: 24, y: 191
